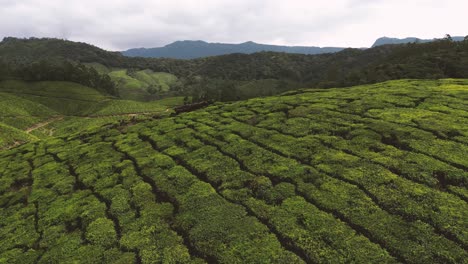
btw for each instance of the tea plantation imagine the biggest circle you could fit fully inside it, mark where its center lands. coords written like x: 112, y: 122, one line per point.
x: 368, y: 174
x: 72, y: 107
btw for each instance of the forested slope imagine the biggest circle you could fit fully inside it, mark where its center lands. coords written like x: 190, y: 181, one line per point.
x: 222, y: 78
x: 369, y: 174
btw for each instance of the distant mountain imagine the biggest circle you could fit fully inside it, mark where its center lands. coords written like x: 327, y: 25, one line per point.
x: 386, y: 40
x: 197, y: 49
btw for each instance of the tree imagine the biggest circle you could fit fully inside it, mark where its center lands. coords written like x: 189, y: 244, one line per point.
x: 151, y: 89
x: 186, y: 100
x: 448, y: 37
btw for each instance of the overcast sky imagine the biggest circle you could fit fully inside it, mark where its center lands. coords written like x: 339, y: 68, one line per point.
x: 123, y: 24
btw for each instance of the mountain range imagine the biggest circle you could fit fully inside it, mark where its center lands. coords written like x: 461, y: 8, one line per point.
x: 189, y: 49
x: 387, y: 40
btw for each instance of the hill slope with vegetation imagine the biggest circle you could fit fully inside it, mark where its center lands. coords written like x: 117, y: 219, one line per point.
x: 27, y: 109
x: 368, y: 174
x: 224, y: 77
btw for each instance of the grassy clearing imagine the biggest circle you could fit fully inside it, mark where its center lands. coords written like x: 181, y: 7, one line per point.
x: 125, y: 81
x: 161, y: 79
x: 98, y: 67
x: 134, y: 86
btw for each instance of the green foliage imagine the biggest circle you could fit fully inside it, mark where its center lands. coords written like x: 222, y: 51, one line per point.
x: 56, y: 70
x: 116, y: 107
x: 239, y: 76
x: 101, y: 232
x: 10, y: 136
x: 367, y: 174
x: 142, y: 194
x: 142, y: 85
x: 25, y: 105
x: 49, y: 98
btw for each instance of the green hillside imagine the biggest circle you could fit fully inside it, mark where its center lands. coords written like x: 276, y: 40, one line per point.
x: 137, y: 84
x: 11, y: 137
x: 162, y: 79
x: 127, y: 81
x: 61, y: 97
x: 72, y: 107
x: 113, y: 112
x: 98, y: 67
x: 443, y: 58
x: 21, y: 112
x: 368, y: 174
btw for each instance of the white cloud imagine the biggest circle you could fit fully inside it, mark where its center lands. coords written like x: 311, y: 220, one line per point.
x: 122, y: 24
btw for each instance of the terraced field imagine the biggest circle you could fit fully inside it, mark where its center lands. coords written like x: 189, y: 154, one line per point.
x: 369, y: 174
x: 26, y: 109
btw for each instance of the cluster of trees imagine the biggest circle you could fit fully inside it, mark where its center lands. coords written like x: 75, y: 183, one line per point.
x: 58, y: 70
x: 216, y: 89
x: 34, y: 49
x: 205, y: 89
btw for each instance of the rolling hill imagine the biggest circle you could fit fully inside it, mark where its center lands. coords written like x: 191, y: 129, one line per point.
x: 434, y: 60
x: 33, y: 110
x: 367, y: 174
x: 234, y: 76
x: 143, y: 85
x: 198, y: 49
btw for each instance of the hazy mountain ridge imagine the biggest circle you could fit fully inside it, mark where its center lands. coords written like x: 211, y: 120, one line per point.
x: 193, y: 49
x: 196, y: 49
x: 386, y: 40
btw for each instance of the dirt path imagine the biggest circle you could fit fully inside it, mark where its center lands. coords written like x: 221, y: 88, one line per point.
x: 42, y: 124
x: 58, y: 118
x: 129, y: 114
x: 13, y: 145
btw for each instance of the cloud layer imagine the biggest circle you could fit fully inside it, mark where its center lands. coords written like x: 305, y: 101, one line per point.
x: 123, y: 24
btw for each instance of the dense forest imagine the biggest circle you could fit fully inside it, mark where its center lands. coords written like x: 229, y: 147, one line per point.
x: 239, y: 76
x: 57, y: 70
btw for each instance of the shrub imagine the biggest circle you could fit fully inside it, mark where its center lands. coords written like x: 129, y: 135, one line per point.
x: 102, y: 232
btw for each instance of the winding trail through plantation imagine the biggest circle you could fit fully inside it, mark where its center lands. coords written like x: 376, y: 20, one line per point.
x: 53, y: 119
x: 42, y: 124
